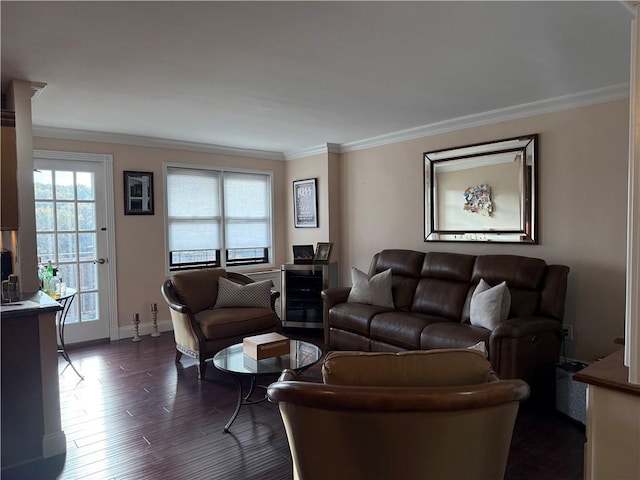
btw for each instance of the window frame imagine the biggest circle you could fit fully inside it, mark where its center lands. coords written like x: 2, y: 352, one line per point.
x: 222, y: 252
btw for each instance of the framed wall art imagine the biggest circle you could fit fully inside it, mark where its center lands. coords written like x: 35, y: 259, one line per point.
x: 305, y: 203
x: 138, y: 193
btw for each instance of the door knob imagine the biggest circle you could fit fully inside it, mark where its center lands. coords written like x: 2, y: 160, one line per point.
x: 100, y: 261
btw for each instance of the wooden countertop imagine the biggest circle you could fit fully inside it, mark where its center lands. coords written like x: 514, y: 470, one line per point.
x: 29, y: 303
x: 610, y: 372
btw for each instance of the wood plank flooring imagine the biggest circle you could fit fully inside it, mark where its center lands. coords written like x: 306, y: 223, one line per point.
x: 139, y: 415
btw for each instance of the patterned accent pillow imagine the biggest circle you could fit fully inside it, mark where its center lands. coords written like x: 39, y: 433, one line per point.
x: 232, y: 294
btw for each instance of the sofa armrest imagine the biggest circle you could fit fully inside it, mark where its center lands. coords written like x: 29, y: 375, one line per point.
x: 333, y: 296
x: 523, y: 326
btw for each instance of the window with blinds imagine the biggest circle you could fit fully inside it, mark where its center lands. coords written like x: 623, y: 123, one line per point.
x: 217, y: 218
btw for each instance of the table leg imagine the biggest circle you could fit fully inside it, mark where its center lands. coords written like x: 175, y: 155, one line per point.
x: 244, y: 399
x: 239, y: 403
x: 61, y: 323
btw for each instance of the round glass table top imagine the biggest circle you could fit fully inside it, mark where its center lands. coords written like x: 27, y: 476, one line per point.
x: 301, y: 355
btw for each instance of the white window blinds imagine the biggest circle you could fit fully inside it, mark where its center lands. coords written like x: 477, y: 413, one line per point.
x: 212, y: 211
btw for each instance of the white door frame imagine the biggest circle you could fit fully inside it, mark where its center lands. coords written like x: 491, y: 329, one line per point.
x: 107, y: 161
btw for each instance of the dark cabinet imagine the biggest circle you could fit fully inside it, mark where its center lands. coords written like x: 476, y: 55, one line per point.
x: 301, y: 288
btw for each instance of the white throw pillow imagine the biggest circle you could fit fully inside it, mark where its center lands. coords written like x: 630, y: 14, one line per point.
x: 371, y: 291
x: 489, y: 305
x: 232, y: 294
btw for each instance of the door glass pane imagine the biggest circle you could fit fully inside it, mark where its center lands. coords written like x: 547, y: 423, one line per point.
x: 87, y: 243
x: 65, y: 189
x: 86, y: 216
x: 67, y: 247
x: 89, y: 303
x: 65, y: 216
x: 43, y: 185
x: 86, y: 187
x: 88, y: 276
x: 46, y: 249
x: 67, y: 274
x: 44, y: 216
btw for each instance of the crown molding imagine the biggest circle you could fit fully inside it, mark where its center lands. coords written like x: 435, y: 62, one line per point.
x: 566, y: 102
x: 317, y: 150
x: 141, y: 141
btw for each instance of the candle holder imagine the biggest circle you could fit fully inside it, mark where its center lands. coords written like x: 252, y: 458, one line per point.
x: 136, y: 328
x: 154, y: 318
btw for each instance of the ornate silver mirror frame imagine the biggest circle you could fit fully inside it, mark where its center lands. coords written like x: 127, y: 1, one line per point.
x: 482, y: 193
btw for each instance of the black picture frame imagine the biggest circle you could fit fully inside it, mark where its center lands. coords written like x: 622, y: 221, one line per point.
x: 303, y: 254
x: 305, y: 203
x: 323, y: 252
x: 138, y: 193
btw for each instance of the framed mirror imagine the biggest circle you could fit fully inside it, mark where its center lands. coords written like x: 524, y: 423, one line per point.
x: 482, y: 193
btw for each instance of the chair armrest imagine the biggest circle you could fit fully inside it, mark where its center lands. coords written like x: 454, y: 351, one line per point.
x: 171, y: 298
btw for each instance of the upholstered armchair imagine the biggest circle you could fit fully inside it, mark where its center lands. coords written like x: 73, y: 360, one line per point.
x: 212, y: 309
x: 439, y: 414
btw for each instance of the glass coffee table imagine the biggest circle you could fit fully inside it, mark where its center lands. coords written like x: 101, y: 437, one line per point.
x: 301, y: 356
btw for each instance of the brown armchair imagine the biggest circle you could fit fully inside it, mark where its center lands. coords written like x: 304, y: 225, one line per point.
x: 201, y: 330
x: 386, y: 415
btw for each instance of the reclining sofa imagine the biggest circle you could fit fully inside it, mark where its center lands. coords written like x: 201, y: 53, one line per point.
x: 432, y: 293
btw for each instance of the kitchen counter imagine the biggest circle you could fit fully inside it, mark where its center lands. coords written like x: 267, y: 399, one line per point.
x: 30, y: 395
x: 29, y: 303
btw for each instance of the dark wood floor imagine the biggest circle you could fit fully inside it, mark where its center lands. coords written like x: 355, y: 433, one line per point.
x: 139, y: 415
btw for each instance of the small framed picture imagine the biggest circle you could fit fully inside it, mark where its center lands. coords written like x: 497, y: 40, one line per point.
x: 323, y: 253
x: 305, y: 203
x: 138, y: 193
x: 303, y: 254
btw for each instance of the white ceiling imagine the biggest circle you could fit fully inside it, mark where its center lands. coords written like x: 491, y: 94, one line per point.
x: 292, y: 76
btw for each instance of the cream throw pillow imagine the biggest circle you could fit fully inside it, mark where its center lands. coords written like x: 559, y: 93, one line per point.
x: 371, y: 291
x: 489, y: 305
x: 232, y: 294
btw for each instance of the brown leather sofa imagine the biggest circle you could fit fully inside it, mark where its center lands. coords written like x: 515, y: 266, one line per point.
x: 431, y: 292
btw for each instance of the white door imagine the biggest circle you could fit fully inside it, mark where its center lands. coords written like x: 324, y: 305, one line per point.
x: 74, y: 232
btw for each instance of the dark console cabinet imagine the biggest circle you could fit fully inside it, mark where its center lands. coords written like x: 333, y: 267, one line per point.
x: 301, y: 287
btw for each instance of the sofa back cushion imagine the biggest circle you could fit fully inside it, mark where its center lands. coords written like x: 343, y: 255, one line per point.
x: 421, y: 368
x: 198, y: 290
x: 524, y: 276
x: 405, y: 268
x: 444, y: 284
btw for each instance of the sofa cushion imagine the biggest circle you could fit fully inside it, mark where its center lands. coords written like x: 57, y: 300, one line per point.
x: 198, y: 289
x: 489, y: 305
x: 375, y: 290
x: 426, y: 368
x: 436, y: 296
x: 217, y: 323
x: 448, y: 266
x: 401, y: 328
x: 517, y: 271
x: 232, y: 294
x: 405, y: 268
x: 354, y: 317
x: 452, y: 335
